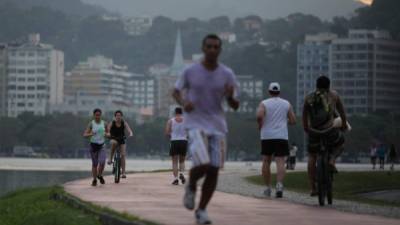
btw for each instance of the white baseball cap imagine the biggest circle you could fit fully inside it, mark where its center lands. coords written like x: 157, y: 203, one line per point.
x: 274, y: 86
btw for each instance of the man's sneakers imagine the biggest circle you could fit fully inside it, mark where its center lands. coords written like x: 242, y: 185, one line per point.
x: 123, y: 176
x: 189, y: 198
x: 109, y: 162
x: 175, y: 182
x: 101, y: 179
x: 94, y: 182
x: 279, y: 190
x: 267, y: 192
x: 202, y: 217
x: 182, y: 178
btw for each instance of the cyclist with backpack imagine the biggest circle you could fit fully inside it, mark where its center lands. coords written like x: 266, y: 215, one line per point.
x: 319, y: 112
x: 117, y: 130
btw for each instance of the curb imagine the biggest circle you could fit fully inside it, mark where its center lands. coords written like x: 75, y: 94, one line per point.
x: 104, y: 217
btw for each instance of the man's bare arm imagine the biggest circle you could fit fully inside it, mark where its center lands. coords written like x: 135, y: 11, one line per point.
x: 342, y: 112
x: 260, y: 115
x: 291, y: 116
x: 305, y: 117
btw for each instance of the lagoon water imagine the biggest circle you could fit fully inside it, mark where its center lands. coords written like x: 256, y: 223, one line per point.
x: 17, y: 173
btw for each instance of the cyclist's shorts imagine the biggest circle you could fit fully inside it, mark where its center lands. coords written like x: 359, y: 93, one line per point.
x: 335, y: 141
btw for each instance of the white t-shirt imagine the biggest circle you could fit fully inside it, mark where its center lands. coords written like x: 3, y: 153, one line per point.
x: 293, y: 151
x: 178, y: 131
x: 276, y: 119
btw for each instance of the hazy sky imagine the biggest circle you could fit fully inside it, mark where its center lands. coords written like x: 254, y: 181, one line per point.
x: 182, y: 9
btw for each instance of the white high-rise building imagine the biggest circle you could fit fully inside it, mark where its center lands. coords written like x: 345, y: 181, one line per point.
x: 365, y: 70
x: 312, y: 62
x: 35, y: 77
x: 3, y: 79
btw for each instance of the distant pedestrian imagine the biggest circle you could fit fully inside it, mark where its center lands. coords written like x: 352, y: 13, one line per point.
x: 292, y: 156
x: 373, y: 155
x: 381, y: 153
x: 392, y: 157
x: 177, y: 135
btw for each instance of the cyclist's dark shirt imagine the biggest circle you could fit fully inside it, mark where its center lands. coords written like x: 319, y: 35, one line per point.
x: 117, y: 132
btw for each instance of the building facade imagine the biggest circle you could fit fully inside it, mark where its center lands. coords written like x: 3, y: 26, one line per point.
x: 137, y: 25
x: 312, y: 62
x: 3, y: 79
x: 365, y: 70
x: 99, y: 83
x: 35, y: 77
x: 251, y: 93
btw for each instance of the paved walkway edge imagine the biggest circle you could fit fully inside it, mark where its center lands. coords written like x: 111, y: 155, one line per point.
x: 104, y: 217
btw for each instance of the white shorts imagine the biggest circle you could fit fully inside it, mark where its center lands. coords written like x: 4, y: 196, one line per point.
x: 205, y: 148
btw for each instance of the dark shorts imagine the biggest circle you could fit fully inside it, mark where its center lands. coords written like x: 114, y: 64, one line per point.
x: 276, y: 147
x: 178, y: 148
x: 334, y: 138
x: 98, y: 154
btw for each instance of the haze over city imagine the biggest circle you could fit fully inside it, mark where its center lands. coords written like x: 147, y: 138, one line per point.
x: 205, y: 9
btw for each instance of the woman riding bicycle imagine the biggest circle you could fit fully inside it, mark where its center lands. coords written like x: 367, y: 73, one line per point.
x: 117, y: 135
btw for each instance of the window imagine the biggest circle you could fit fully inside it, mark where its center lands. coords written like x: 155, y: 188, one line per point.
x: 21, y: 104
x: 21, y: 88
x: 41, y: 87
x: 31, y: 71
x: 21, y: 79
x: 11, y: 87
x: 21, y: 71
x: 31, y: 88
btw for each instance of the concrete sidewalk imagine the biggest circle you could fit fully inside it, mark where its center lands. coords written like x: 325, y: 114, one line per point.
x: 150, y: 196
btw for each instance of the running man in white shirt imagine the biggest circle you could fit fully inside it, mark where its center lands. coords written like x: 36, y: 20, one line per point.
x: 177, y: 134
x: 201, y: 90
x: 273, y: 116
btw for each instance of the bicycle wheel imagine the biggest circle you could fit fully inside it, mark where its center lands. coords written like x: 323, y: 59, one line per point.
x: 117, y: 174
x: 321, y: 179
x: 329, y: 186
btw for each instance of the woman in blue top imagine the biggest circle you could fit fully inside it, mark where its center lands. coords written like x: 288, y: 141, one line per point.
x: 96, y: 132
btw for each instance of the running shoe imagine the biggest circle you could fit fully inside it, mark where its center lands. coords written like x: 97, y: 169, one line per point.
x: 123, y: 176
x: 175, y: 182
x: 189, y: 198
x: 279, y: 190
x: 109, y: 162
x: 94, y: 182
x: 202, y: 217
x: 101, y: 179
x: 182, y: 178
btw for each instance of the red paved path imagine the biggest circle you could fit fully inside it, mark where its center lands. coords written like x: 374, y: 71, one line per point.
x: 150, y: 196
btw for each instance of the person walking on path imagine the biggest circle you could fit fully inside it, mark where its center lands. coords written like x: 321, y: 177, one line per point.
x: 292, y: 156
x: 373, y: 155
x: 117, y: 129
x: 392, y: 157
x: 201, y: 90
x: 381, y: 153
x: 96, y: 131
x: 177, y: 134
x: 273, y: 116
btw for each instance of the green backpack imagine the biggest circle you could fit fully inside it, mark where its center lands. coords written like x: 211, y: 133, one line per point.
x: 320, y: 111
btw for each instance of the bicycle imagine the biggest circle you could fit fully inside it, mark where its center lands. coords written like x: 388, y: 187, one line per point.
x: 324, y: 175
x: 117, y: 162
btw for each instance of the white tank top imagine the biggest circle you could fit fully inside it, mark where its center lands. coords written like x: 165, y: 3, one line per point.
x: 276, y: 119
x: 178, y: 131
